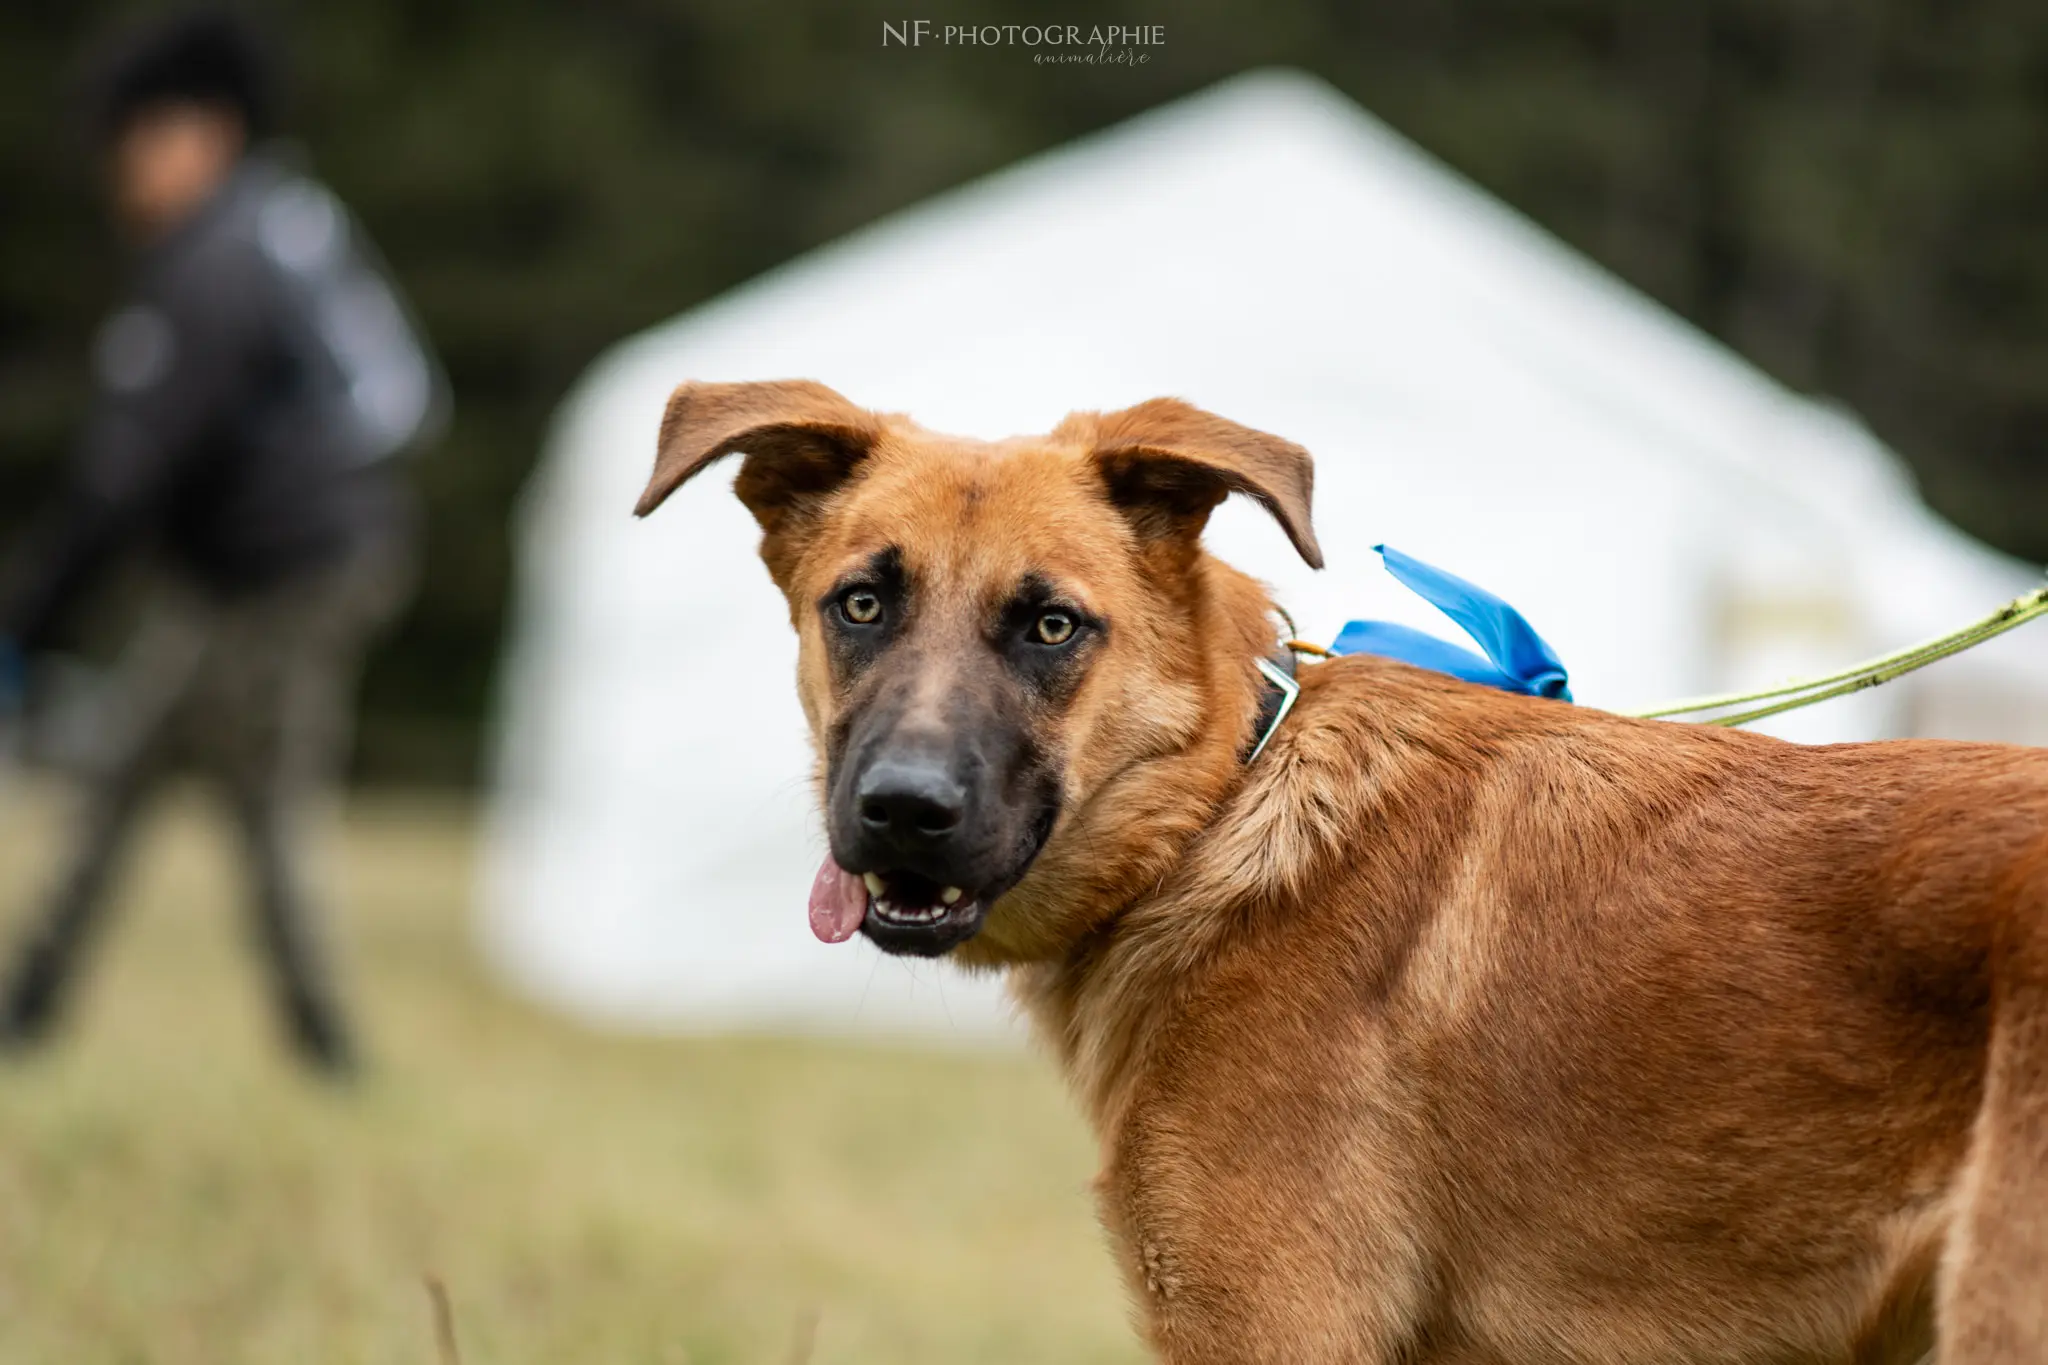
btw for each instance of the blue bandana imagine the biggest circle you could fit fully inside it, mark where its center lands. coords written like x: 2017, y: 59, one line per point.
x: 1517, y: 658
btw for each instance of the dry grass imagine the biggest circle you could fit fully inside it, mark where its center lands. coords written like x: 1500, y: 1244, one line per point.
x: 171, y: 1191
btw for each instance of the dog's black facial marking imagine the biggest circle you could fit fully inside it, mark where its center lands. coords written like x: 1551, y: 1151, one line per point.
x: 1046, y: 638
x: 943, y: 777
x: 855, y: 638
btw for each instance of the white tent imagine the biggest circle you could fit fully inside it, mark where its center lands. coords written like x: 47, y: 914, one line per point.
x: 1474, y: 393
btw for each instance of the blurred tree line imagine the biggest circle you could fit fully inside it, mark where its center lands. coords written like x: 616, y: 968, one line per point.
x: 1853, y: 193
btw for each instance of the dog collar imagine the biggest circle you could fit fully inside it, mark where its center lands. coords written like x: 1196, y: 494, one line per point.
x: 1277, y: 700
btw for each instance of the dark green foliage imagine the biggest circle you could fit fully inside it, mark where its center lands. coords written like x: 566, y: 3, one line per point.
x: 1854, y: 193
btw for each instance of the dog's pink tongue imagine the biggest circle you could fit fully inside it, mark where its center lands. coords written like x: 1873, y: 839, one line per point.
x: 839, y: 902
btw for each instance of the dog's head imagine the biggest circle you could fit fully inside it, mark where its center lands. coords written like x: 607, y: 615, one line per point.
x: 1016, y: 660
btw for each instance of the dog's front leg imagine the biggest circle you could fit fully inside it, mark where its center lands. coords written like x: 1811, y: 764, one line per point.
x: 1230, y: 1274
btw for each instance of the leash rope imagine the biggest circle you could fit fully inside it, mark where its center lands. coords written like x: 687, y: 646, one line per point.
x: 1800, y: 692
x: 1806, y: 691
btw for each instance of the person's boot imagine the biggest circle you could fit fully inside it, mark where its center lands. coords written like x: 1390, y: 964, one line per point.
x: 319, y: 1038
x: 28, y: 1012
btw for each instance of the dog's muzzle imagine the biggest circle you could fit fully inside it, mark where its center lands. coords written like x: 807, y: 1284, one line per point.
x: 931, y: 834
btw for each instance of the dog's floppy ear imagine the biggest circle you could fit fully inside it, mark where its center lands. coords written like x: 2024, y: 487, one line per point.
x: 1167, y: 464
x: 800, y: 438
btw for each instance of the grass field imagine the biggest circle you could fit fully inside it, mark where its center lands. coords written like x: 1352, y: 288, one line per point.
x: 172, y: 1191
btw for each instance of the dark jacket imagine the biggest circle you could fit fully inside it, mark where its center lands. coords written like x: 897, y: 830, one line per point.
x: 251, y: 395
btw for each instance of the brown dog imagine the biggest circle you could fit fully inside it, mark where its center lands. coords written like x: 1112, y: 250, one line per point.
x: 1458, y: 1026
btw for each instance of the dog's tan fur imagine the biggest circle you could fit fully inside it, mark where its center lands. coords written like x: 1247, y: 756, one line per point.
x: 1461, y: 1027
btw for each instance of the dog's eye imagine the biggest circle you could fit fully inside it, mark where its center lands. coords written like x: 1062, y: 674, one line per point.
x: 861, y: 607
x: 1054, y: 628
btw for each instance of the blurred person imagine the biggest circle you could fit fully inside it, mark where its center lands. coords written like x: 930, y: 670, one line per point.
x: 251, y: 394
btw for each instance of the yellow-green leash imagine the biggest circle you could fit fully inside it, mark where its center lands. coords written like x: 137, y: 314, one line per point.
x: 1790, y: 696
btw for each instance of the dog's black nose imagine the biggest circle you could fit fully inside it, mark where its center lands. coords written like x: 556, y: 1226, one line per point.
x: 910, y: 805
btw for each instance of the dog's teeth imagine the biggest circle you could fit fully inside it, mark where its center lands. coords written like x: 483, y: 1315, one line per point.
x: 950, y: 894
x: 916, y: 914
x: 874, y: 883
